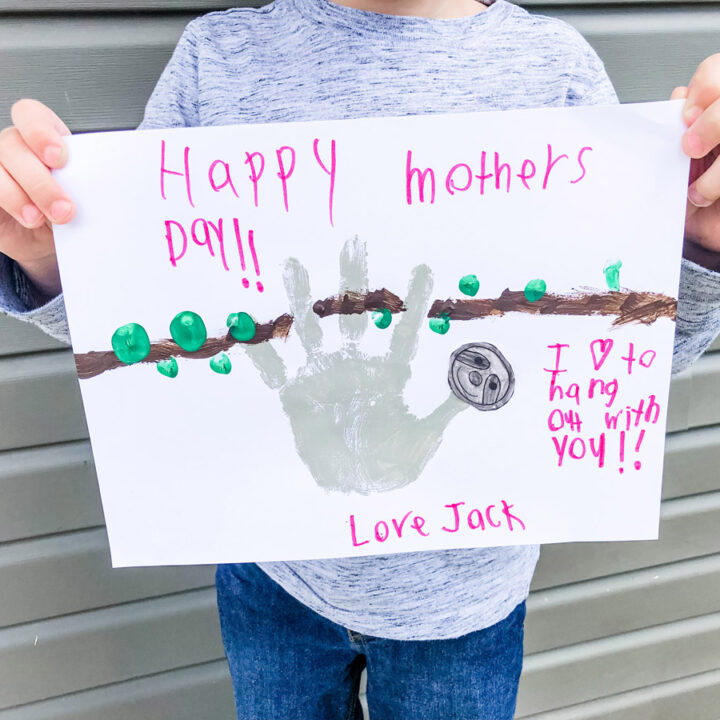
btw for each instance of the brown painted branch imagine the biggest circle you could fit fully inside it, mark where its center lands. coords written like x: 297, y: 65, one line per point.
x: 629, y: 307
x: 94, y: 363
x: 355, y: 303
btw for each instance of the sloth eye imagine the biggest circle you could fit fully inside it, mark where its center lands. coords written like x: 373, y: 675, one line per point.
x: 482, y: 362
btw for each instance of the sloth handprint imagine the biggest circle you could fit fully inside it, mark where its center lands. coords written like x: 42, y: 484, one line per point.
x: 351, y: 425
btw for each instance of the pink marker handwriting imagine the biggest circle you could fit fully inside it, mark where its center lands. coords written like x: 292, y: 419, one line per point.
x: 382, y: 529
x: 221, y: 241
x: 595, y: 417
x: 474, y: 518
x: 250, y: 176
x: 490, y: 172
x: 456, y: 517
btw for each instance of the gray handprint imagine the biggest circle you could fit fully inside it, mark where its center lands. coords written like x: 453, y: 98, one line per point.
x: 352, y: 428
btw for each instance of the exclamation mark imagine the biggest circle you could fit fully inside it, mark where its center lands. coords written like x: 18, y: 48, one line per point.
x: 251, y: 242
x: 622, y: 450
x: 637, y: 464
x: 238, y: 237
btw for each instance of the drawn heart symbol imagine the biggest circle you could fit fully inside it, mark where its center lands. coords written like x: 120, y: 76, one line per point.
x: 604, y: 346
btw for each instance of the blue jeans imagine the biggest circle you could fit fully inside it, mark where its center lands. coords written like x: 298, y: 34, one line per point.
x: 289, y: 663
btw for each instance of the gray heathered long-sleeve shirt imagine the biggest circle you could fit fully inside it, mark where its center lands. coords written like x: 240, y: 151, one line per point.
x: 312, y: 59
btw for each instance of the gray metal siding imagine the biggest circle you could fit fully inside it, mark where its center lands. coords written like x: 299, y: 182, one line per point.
x: 614, y: 631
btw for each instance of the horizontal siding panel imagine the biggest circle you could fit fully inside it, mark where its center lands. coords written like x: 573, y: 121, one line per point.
x: 689, y: 698
x: 695, y: 395
x: 21, y: 337
x: 678, y: 417
x: 692, y: 462
x: 48, y: 490
x: 107, y: 646
x: 688, y: 528
x: 705, y: 391
x: 202, y: 692
x: 40, y: 400
x: 571, y: 675
x: 612, y: 605
x: 62, y: 574
x: 648, y: 52
x: 97, y: 73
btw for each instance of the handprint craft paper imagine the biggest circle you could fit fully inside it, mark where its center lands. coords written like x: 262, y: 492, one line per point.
x: 409, y: 342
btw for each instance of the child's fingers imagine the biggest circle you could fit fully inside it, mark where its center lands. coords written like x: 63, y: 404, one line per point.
x: 268, y: 363
x: 704, y: 134
x: 404, y: 340
x: 34, y: 177
x: 679, y: 93
x: 353, y: 277
x: 42, y: 130
x: 15, y: 202
x: 306, y: 322
x: 704, y: 88
x: 706, y: 189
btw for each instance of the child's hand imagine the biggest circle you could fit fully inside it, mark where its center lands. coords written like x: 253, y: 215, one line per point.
x: 30, y: 198
x: 702, y: 143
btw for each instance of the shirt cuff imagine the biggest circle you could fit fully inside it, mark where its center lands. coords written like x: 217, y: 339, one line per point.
x: 21, y: 300
x: 698, y: 314
x: 24, y: 289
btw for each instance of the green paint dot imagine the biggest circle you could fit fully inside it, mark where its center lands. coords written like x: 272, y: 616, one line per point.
x: 469, y: 285
x: 188, y: 331
x: 382, y: 318
x: 612, y: 275
x: 440, y: 325
x: 242, y: 326
x: 131, y: 343
x: 168, y: 367
x: 535, y: 289
x: 221, y: 364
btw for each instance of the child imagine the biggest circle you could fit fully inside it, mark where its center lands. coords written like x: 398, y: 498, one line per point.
x: 441, y: 632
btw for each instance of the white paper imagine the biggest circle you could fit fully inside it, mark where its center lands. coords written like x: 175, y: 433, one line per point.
x: 361, y: 446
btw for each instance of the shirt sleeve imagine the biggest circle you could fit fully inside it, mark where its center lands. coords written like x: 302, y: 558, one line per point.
x: 698, y: 316
x: 589, y: 83
x: 18, y: 299
x: 173, y: 103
